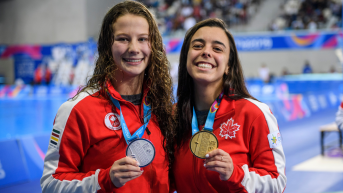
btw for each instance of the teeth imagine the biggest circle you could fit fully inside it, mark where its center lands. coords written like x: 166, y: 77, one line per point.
x: 209, y: 66
x: 133, y: 60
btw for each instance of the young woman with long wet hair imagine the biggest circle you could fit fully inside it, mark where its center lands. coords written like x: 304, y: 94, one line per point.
x: 226, y: 140
x: 113, y: 135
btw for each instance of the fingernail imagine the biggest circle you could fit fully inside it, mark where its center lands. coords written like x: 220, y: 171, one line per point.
x: 207, y: 155
x: 137, y: 163
x: 204, y: 165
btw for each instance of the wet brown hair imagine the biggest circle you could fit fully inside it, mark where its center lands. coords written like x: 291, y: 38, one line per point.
x: 157, y: 77
x: 233, y: 83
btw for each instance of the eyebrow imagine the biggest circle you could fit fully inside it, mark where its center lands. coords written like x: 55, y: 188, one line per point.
x: 138, y: 34
x: 203, y: 41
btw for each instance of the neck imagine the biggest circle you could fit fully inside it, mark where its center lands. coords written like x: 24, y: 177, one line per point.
x: 129, y: 86
x: 205, y: 95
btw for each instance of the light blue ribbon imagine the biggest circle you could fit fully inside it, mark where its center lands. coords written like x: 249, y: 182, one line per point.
x: 139, y: 133
x: 210, y: 116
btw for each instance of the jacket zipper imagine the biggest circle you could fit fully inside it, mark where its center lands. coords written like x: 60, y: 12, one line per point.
x: 195, y: 161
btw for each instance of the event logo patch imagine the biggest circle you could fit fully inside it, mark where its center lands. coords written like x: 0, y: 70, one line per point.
x: 55, y: 138
x: 274, y: 139
x: 228, y: 129
x: 112, y: 121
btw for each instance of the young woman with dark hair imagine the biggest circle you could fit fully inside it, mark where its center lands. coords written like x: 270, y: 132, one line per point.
x: 113, y: 135
x: 238, y: 147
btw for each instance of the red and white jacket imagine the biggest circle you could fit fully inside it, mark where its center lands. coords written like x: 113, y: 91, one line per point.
x: 247, y: 130
x: 87, y: 139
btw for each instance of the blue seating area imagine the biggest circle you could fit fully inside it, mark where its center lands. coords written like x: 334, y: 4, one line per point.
x: 299, y: 84
x: 298, y: 96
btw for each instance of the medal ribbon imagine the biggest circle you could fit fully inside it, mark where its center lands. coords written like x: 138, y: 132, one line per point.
x: 139, y: 133
x: 210, y: 116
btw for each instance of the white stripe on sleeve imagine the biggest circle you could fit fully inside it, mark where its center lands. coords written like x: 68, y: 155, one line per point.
x: 254, y: 182
x: 48, y: 182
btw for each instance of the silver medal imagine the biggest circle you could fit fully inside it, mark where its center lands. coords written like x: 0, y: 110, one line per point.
x: 141, y: 150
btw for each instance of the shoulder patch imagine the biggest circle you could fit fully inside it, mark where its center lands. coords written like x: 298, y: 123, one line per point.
x: 55, y: 138
x: 112, y: 121
x: 274, y: 139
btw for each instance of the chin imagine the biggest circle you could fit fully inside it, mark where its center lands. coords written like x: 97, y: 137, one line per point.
x: 206, y: 80
x: 203, y: 80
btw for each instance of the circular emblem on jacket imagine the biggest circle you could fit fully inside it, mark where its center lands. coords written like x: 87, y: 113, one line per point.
x: 112, y: 121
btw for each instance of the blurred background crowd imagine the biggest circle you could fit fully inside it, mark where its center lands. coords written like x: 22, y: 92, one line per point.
x: 178, y: 16
x: 67, y: 56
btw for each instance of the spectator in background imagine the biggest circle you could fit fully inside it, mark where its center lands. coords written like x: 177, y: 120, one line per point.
x: 332, y: 69
x: 309, y: 14
x: 285, y: 72
x: 271, y: 77
x: 189, y: 22
x: 298, y: 24
x: 264, y: 73
x: 339, y: 117
x: 177, y: 16
x: 186, y: 11
x: 307, y: 68
x: 42, y: 74
x: 312, y: 26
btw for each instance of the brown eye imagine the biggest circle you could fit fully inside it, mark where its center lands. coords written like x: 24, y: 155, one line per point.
x: 196, y: 46
x: 217, y: 49
x: 143, y: 39
x: 121, y: 39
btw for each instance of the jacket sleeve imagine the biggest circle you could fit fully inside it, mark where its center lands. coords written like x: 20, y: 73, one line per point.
x: 339, y: 117
x: 68, y: 145
x: 266, y: 171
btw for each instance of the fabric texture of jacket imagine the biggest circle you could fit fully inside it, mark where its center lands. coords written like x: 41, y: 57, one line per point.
x: 247, y: 130
x: 87, y: 139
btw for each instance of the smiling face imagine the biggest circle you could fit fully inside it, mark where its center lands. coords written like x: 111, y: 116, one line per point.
x: 208, y: 56
x: 131, y: 48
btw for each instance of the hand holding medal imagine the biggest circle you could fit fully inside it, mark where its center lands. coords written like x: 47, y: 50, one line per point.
x: 221, y: 162
x: 124, y: 170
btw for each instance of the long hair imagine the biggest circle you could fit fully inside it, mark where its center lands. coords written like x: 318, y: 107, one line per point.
x: 233, y: 83
x: 157, y: 77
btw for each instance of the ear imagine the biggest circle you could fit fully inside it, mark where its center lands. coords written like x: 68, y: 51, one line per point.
x: 227, y: 70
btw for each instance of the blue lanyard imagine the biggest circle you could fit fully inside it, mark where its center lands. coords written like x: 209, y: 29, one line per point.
x: 139, y: 133
x: 210, y: 116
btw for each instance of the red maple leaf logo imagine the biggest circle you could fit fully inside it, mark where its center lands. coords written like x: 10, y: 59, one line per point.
x: 228, y: 129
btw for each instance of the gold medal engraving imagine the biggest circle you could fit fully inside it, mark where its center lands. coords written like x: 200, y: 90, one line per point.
x: 203, y: 142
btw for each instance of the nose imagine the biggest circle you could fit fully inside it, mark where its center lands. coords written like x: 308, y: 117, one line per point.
x: 133, y: 47
x: 206, y: 53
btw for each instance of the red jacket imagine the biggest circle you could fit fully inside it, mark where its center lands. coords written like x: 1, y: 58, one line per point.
x: 247, y: 130
x: 87, y: 139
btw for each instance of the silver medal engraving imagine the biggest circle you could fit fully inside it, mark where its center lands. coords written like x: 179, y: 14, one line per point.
x: 141, y: 150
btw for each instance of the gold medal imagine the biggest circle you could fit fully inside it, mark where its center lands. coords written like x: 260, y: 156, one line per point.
x: 203, y: 142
